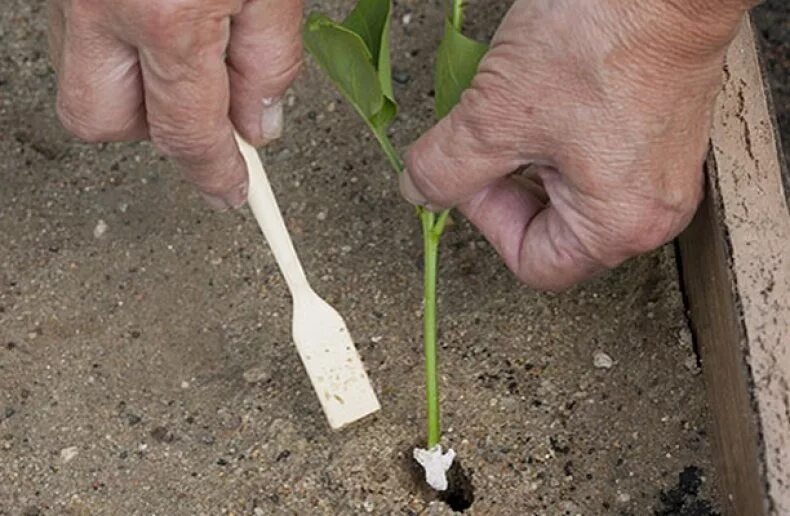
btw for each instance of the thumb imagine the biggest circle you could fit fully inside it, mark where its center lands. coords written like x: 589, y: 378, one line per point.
x: 465, y: 151
x: 264, y: 55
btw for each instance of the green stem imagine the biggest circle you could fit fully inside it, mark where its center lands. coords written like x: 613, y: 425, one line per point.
x: 458, y: 14
x: 389, y: 150
x: 438, y: 227
x: 430, y: 256
x: 432, y: 228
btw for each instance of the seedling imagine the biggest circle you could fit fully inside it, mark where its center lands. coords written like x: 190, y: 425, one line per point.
x: 355, y: 55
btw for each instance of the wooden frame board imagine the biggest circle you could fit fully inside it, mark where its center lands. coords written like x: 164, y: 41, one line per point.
x: 736, y: 274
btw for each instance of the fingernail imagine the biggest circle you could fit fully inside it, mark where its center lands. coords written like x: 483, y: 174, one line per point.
x: 239, y: 196
x: 272, y: 119
x: 409, y: 191
x: 216, y: 203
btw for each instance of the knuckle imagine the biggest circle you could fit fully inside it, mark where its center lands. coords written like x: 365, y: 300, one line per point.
x: 77, y: 123
x: 159, y: 26
x: 559, y: 262
x: 626, y: 233
x: 207, y: 158
x: 685, y: 196
x: 164, y: 26
x: 649, y: 218
x: 93, y: 123
x: 269, y: 81
x: 284, y: 70
x: 192, y: 145
x: 653, y: 225
x: 646, y: 236
x: 660, y: 219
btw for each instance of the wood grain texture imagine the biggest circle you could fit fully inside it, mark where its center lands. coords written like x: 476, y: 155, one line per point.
x: 734, y: 258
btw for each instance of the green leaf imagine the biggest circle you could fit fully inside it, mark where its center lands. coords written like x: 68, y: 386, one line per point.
x: 355, y: 55
x: 345, y: 57
x: 384, y: 69
x: 456, y: 65
x: 370, y: 19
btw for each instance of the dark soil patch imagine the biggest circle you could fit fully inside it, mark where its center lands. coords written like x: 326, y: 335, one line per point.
x: 460, y: 493
x: 683, y: 499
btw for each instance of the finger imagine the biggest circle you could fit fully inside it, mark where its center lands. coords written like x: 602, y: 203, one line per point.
x: 529, y: 178
x: 99, y: 86
x: 264, y: 56
x: 535, y: 240
x: 187, y: 100
x: 486, y: 136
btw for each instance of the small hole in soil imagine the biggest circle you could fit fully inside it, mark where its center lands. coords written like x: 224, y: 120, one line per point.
x: 460, y: 492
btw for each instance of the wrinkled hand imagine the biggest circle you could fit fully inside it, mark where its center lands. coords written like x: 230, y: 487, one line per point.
x: 609, y: 103
x: 182, y: 73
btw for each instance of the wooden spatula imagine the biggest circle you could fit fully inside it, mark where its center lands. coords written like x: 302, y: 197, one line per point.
x: 319, y: 332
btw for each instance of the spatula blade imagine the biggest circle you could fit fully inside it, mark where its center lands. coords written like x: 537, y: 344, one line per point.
x: 332, y: 362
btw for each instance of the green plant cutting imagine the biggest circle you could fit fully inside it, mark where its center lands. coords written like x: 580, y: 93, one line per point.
x: 355, y: 55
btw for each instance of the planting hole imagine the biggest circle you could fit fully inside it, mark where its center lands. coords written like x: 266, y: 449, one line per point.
x: 460, y: 492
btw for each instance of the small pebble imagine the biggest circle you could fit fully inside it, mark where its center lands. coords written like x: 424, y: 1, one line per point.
x: 569, y: 508
x: 602, y: 361
x: 691, y: 364
x: 100, y: 229
x: 406, y: 18
x: 321, y: 215
x: 623, y: 497
x: 185, y: 384
x: 162, y: 434
x: 255, y: 375
x: 67, y: 454
x: 685, y: 337
x: 331, y: 106
x: 400, y: 76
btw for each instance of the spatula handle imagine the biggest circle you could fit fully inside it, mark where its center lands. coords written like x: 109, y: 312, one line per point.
x: 267, y: 213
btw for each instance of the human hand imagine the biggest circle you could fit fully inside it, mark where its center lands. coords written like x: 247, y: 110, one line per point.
x: 183, y: 73
x: 609, y: 104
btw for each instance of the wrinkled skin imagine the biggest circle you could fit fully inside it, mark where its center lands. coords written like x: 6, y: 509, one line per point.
x: 608, y: 106
x: 182, y: 73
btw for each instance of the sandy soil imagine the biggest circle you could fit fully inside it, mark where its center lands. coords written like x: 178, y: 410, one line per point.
x: 149, y: 370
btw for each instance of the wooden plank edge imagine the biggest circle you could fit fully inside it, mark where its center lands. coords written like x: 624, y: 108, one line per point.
x: 735, y: 272
x: 772, y: 113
